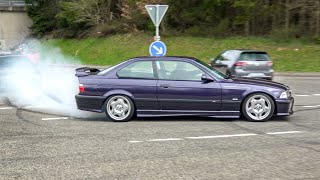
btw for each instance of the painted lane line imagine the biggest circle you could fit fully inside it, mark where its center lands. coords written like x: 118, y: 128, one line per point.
x: 167, y: 139
x: 34, y: 107
x: 221, y: 136
x: 302, y: 95
x: 315, y: 94
x: 5, y: 108
x: 285, y: 132
x: 217, y: 136
x: 57, y: 118
x: 311, y: 106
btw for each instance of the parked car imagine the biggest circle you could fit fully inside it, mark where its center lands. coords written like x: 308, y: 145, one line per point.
x: 17, y: 69
x: 178, y: 86
x: 244, y: 63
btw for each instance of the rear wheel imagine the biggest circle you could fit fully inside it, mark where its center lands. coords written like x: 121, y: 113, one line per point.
x: 258, y: 107
x: 119, y: 108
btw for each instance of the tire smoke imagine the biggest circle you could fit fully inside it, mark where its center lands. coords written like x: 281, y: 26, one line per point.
x: 46, y: 84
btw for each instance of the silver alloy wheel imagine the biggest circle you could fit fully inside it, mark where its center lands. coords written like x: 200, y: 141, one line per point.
x: 258, y: 107
x: 118, y: 108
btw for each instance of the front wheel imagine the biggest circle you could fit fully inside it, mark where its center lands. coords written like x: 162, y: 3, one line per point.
x: 258, y: 107
x: 119, y: 108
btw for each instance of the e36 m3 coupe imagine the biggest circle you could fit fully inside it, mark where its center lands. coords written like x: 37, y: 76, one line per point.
x: 178, y: 86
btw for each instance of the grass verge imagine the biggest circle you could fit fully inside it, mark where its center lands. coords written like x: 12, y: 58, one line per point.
x: 295, y: 56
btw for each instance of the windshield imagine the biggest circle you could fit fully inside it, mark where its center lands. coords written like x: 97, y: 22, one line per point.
x: 254, y: 56
x: 213, y: 71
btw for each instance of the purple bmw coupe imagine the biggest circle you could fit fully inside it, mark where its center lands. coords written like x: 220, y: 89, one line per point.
x: 178, y: 86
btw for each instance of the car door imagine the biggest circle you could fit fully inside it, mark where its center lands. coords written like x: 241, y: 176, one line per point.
x: 139, y: 80
x: 181, y: 90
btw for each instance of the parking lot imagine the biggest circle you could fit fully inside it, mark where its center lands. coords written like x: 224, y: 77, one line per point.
x: 40, y: 145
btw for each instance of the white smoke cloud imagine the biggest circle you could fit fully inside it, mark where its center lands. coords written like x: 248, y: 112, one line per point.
x: 48, y: 86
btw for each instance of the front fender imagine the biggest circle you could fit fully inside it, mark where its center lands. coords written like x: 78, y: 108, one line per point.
x: 260, y: 90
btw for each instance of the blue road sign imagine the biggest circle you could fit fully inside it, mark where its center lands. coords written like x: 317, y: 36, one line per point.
x: 157, y: 48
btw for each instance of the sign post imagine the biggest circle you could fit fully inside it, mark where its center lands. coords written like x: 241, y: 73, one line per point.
x: 156, y: 13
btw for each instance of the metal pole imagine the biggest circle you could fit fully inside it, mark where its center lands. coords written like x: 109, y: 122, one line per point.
x: 157, y: 24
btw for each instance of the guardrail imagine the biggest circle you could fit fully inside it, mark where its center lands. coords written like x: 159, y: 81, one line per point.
x: 12, y: 3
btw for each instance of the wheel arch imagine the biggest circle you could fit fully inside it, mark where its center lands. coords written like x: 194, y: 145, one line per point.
x: 261, y: 92
x: 118, y: 92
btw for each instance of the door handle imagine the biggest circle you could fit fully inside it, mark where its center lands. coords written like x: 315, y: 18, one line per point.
x: 164, y: 85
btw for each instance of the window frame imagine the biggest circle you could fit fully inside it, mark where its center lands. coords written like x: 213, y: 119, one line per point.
x: 173, y: 60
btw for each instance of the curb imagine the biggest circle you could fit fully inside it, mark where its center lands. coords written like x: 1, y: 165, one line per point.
x: 298, y: 74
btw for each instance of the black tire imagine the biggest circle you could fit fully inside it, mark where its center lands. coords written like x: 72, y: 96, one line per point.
x: 112, y: 116
x: 251, y: 116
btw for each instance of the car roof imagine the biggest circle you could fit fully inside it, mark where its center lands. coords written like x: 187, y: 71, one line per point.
x: 246, y: 50
x: 165, y: 57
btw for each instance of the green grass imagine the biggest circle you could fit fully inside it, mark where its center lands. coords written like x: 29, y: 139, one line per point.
x: 294, y: 56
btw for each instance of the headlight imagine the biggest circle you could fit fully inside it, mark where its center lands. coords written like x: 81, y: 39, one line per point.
x: 285, y: 94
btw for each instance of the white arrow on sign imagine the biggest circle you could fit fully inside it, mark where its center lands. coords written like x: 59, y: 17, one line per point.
x: 160, y: 50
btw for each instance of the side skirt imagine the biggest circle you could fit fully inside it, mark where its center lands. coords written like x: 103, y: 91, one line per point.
x: 217, y: 114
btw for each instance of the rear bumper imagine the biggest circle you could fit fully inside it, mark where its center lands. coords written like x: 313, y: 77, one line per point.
x: 90, y: 103
x: 249, y: 74
x: 285, y: 107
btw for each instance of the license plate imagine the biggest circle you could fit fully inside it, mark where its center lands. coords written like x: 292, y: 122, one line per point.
x: 256, y: 74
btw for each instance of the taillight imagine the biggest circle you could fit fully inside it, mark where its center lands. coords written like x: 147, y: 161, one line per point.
x: 81, y: 88
x: 240, y: 63
x: 269, y: 63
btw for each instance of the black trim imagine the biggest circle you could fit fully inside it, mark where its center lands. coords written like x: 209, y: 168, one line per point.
x: 189, y: 100
x: 230, y: 101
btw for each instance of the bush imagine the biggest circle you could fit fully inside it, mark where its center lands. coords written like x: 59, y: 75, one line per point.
x: 285, y: 34
x: 317, y: 40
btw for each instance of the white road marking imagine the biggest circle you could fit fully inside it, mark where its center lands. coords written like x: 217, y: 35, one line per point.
x: 167, y: 139
x: 5, y: 108
x: 285, y: 132
x: 57, y: 118
x: 220, y: 136
x: 35, y: 107
x: 302, y: 95
x: 217, y: 136
x: 314, y: 106
x: 315, y: 94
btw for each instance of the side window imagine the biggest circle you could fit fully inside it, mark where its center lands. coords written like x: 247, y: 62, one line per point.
x: 178, y: 70
x: 139, y: 70
x: 227, y: 56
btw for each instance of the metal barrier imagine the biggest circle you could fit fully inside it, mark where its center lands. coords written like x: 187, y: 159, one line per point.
x: 12, y: 3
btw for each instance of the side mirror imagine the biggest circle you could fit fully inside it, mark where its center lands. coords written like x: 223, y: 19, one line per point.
x: 217, y: 61
x: 206, y: 78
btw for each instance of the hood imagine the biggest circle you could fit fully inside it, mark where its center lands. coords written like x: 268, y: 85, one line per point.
x: 260, y: 82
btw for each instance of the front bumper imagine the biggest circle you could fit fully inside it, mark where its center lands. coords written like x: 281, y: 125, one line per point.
x: 285, y: 107
x: 90, y: 103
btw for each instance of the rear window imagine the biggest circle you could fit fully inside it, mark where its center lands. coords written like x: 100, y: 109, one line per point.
x: 254, y: 56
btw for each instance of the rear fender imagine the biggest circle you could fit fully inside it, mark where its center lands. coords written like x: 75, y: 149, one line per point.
x: 117, y: 92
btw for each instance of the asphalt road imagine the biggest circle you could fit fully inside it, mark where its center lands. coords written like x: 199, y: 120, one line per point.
x: 44, y: 146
